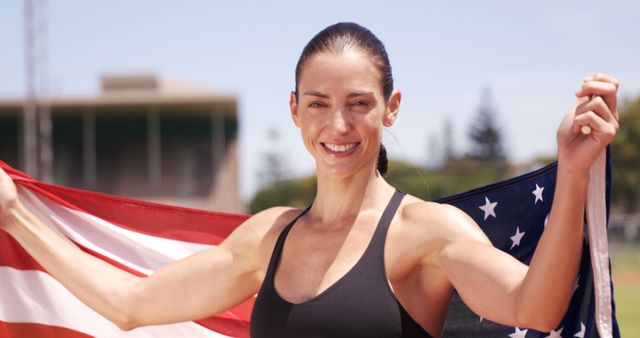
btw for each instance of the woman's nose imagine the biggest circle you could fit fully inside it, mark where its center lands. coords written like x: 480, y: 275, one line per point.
x: 339, y: 121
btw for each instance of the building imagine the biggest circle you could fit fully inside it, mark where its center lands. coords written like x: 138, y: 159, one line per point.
x: 142, y: 137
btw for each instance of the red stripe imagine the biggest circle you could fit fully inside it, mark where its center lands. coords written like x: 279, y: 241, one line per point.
x: 31, y: 330
x: 155, y: 219
x: 13, y: 255
x: 226, y: 326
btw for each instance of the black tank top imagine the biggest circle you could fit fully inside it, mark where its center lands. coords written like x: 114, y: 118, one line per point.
x: 360, y: 304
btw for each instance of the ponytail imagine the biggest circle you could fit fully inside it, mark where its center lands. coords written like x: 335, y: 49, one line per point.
x: 382, y: 160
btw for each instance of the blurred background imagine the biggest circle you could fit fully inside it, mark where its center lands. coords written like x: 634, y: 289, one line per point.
x: 187, y: 102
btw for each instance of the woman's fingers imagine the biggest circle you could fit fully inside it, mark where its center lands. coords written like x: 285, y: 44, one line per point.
x: 604, y: 86
x: 602, y: 77
x: 594, y: 113
x: 8, y: 193
x: 596, y: 108
x: 597, y: 105
x: 600, y: 128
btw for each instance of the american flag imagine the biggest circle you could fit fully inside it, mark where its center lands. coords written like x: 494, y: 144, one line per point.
x: 140, y: 237
x: 513, y: 214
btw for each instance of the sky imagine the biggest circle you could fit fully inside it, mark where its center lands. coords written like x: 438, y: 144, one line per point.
x: 531, y: 55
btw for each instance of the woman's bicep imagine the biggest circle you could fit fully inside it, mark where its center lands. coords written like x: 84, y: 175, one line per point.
x: 486, y: 278
x: 208, y: 282
x: 191, y: 288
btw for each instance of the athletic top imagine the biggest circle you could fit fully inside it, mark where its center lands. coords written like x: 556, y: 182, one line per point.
x: 361, y: 304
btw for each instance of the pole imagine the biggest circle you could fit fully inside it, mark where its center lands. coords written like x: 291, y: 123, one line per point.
x: 30, y: 150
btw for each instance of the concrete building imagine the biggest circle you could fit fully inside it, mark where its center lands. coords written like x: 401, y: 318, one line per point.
x: 142, y: 137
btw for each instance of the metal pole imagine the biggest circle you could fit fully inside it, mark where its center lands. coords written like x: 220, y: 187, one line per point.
x: 30, y: 151
x: 45, y: 124
x: 154, y: 148
x: 89, y: 148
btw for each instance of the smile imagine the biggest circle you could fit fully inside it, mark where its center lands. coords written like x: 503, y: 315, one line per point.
x: 339, y: 148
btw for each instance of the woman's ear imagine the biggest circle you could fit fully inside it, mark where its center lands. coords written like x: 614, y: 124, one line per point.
x: 392, y: 108
x: 293, y: 106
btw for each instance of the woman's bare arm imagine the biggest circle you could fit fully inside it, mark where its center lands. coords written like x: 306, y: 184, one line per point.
x: 192, y: 288
x: 496, y: 285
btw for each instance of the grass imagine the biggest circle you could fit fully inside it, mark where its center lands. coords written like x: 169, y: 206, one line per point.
x: 626, y: 276
x: 628, y: 309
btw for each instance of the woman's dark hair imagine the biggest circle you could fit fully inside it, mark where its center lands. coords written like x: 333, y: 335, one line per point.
x: 348, y: 35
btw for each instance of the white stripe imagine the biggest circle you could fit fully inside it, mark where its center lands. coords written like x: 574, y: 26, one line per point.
x: 141, y: 252
x: 35, y: 297
x: 598, y: 245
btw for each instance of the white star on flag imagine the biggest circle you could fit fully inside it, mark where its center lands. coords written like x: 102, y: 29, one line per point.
x: 538, y: 193
x: 555, y: 334
x: 580, y: 334
x: 518, y: 333
x: 488, y: 208
x: 516, y: 238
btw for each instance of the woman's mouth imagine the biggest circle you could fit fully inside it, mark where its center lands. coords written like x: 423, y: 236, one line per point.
x: 339, y: 149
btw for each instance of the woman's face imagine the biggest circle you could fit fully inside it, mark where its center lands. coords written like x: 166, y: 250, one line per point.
x: 341, y: 111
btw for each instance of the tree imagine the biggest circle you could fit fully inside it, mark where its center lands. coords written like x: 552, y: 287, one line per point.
x: 441, y: 147
x: 408, y: 177
x: 297, y: 193
x: 448, y: 147
x: 485, y: 135
x: 274, y: 169
x: 625, y: 157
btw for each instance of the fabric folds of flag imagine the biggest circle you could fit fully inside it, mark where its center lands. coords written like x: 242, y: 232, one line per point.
x: 139, y: 237
x: 133, y: 235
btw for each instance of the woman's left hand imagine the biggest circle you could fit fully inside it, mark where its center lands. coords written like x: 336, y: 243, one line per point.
x: 596, y: 107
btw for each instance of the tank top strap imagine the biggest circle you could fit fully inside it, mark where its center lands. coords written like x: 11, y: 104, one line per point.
x: 380, y: 235
x: 277, y: 249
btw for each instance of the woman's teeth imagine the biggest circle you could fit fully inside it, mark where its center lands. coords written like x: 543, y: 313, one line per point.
x: 339, y: 148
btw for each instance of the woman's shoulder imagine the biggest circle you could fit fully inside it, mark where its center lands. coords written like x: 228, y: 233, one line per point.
x: 261, y: 230
x: 268, y: 221
x: 438, y: 220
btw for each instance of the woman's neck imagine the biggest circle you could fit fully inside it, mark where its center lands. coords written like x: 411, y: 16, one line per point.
x: 340, y: 198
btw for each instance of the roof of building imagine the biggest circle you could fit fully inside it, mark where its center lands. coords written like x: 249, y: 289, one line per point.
x: 139, y: 90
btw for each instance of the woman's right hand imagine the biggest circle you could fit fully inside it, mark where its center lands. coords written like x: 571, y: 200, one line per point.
x: 8, y: 198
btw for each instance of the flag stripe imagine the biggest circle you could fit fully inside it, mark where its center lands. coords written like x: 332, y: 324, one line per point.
x: 189, y: 225
x: 140, y: 252
x: 32, y: 295
x: 32, y: 330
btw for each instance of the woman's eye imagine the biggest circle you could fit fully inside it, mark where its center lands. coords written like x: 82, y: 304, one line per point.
x: 361, y: 104
x: 316, y: 105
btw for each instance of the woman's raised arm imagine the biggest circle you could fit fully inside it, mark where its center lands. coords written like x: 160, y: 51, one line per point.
x: 192, y: 288
x: 496, y: 285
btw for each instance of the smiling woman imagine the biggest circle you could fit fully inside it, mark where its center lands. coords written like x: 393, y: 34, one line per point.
x: 360, y: 42
x: 364, y: 260
x: 341, y: 109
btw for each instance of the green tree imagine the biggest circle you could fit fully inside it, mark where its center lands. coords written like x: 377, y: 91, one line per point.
x: 297, y: 193
x: 274, y: 169
x: 626, y: 159
x: 485, y: 135
x: 418, y: 181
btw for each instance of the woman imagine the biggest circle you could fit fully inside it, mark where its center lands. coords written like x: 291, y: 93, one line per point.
x: 364, y: 260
